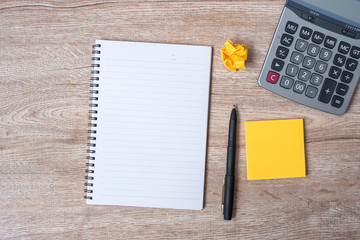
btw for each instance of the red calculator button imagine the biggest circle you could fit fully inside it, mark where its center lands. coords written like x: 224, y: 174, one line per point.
x: 272, y: 77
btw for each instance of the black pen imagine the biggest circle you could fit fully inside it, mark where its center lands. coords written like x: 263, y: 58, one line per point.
x: 229, y: 181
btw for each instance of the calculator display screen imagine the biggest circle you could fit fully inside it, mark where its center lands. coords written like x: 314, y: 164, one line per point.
x: 348, y: 9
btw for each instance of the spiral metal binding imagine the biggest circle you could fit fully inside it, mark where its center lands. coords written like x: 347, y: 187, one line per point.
x: 94, y: 86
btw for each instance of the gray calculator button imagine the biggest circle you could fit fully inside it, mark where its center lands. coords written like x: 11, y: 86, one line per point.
x: 337, y: 101
x: 355, y: 52
x: 325, y: 54
x: 286, y: 40
x: 342, y: 89
x: 330, y: 42
x: 334, y: 72
x: 316, y: 79
x: 296, y: 57
x: 309, y: 62
x: 311, y: 91
x: 344, y: 47
x: 286, y: 82
x: 299, y: 87
x: 301, y: 45
x: 304, y: 75
x: 346, y: 77
x: 313, y: 50
x: 320, y: 67
x: 282, y: 52
x: 339, y: 60
x: 351, y: 64
x: 292, y: 70
x: 327, y: 90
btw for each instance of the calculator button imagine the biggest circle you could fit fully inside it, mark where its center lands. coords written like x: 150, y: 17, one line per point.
x: 311, y: 91
x: 318, y: 37
x: 277, y: 65
x: 282, y: 52
x: 301, y: 45
x: 304, y: 75
x: 313, y: 50
x: 325, y: 54
x: 292, y: 70
x: 337, y: 101
x: 339, y: 60
x: 346, y: 77
x: 355, y: 52
x: 296, y: 58
x: 334, y: 72
x: 286, y: 82
x: 344, y: 47
x: 305, y: 33
x: 316, y: 79
x: 272, y: 77
x: 299, y: 87
x: 351, y: 64
x: 309, y: 62
x: 286, y: 40
x: 320, y: 67
x: 327, y: 90
x: 342, y: 89
x: 330, y: 42
x: 291, y: 27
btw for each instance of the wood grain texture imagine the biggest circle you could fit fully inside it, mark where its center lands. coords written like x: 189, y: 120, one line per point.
x: 44, y: 79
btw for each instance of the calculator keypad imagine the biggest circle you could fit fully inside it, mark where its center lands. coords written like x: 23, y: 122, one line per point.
x: 307, y: 63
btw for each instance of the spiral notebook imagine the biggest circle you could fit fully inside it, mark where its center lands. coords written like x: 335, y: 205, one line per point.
x: 149, y: 118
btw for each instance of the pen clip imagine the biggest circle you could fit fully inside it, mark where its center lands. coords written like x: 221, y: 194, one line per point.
x: 223, y: 196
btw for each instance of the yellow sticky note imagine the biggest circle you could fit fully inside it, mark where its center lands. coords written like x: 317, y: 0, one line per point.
x: 275, y: 149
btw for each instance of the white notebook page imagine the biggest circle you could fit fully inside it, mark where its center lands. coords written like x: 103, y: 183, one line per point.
x: 151, y: 125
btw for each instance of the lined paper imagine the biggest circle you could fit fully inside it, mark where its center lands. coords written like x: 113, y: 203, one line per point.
x: 151, y: 125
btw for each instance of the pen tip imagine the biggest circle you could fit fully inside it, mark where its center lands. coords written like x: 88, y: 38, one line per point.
x: 234, y: 106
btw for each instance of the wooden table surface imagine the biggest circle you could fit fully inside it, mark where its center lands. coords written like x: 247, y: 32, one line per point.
x: 45, y: 68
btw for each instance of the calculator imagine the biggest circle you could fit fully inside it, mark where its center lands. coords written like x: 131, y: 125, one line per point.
x: 314, y: 55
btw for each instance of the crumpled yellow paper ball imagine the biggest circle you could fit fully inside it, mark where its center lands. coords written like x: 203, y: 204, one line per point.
x: 234, y: 56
